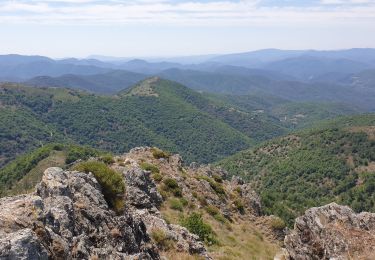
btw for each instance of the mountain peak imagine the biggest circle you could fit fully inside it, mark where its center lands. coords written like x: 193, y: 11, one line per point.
x: 144, y: 88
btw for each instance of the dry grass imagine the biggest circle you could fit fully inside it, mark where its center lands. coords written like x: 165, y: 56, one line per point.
x: 369, y: 130
x: 174, y: 255
x: 241, y: 239
x: 369, y: 168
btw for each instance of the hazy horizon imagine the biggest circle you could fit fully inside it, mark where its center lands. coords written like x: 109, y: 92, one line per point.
x: 170, y: 28
x: 104, y: 57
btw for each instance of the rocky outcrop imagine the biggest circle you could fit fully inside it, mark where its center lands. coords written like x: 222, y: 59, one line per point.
x: 332, y: 232
x: 141, y: 190
x: 203, y: 188
x: 68, y: 218
x: 249, y: 196
x: 144, y: 199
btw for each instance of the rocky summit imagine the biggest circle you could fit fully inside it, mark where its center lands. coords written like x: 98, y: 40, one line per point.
x: 170, y: 211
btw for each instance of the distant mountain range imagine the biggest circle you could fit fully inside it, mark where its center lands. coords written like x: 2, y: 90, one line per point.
x: 344, y: 76
x: 104, y: 83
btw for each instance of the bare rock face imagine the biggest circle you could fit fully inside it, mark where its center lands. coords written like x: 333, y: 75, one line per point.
x: 332, y: 232
x: 22, y: 244
x: 68, y: 218
x: 141, y: 190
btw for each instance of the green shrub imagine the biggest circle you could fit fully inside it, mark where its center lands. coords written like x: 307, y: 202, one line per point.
x: 217, y: 178
x: 171, y: 185
x: 238, y: 190
x: 161, y: 239
x: 217, y: 187
x: 157, y: 153
x: 107, y: 159
x: 79, y: 153
x: 58, y: 147
x: 215, y: 212
x: 277, y: 223
x: 176, y: 204
x: 112, y: 182
x: 149, y: 167
x: 184, y: 202
x: 212, y: 210
x: 157, y: 177
x: 195, y: 224
x: 239, y: 206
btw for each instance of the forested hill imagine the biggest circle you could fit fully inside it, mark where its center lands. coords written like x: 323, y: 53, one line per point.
x: 334, y: 162
x: 172, y: 117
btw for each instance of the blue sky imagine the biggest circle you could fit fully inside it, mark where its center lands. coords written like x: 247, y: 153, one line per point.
x: 143, y: 28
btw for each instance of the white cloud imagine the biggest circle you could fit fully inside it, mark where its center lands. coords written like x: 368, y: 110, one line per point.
x: 164, y: 12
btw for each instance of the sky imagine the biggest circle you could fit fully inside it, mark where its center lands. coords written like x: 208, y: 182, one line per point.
x: 156, y: 28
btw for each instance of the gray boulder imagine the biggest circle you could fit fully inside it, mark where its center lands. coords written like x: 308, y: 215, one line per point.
x: 332, y: 232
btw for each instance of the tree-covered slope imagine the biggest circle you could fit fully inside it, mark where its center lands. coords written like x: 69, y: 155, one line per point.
x: 203, y: 127
x: 311, y: 168
x: 165, y: 118
x: 21, y: 126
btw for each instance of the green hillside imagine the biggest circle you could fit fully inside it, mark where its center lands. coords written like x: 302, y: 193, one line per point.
x: 311, y: 168
x: 278, y: 115
x: 166, y: 119
x: 22, y: 174
x: 202, y: 127
x: 244, y: 119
